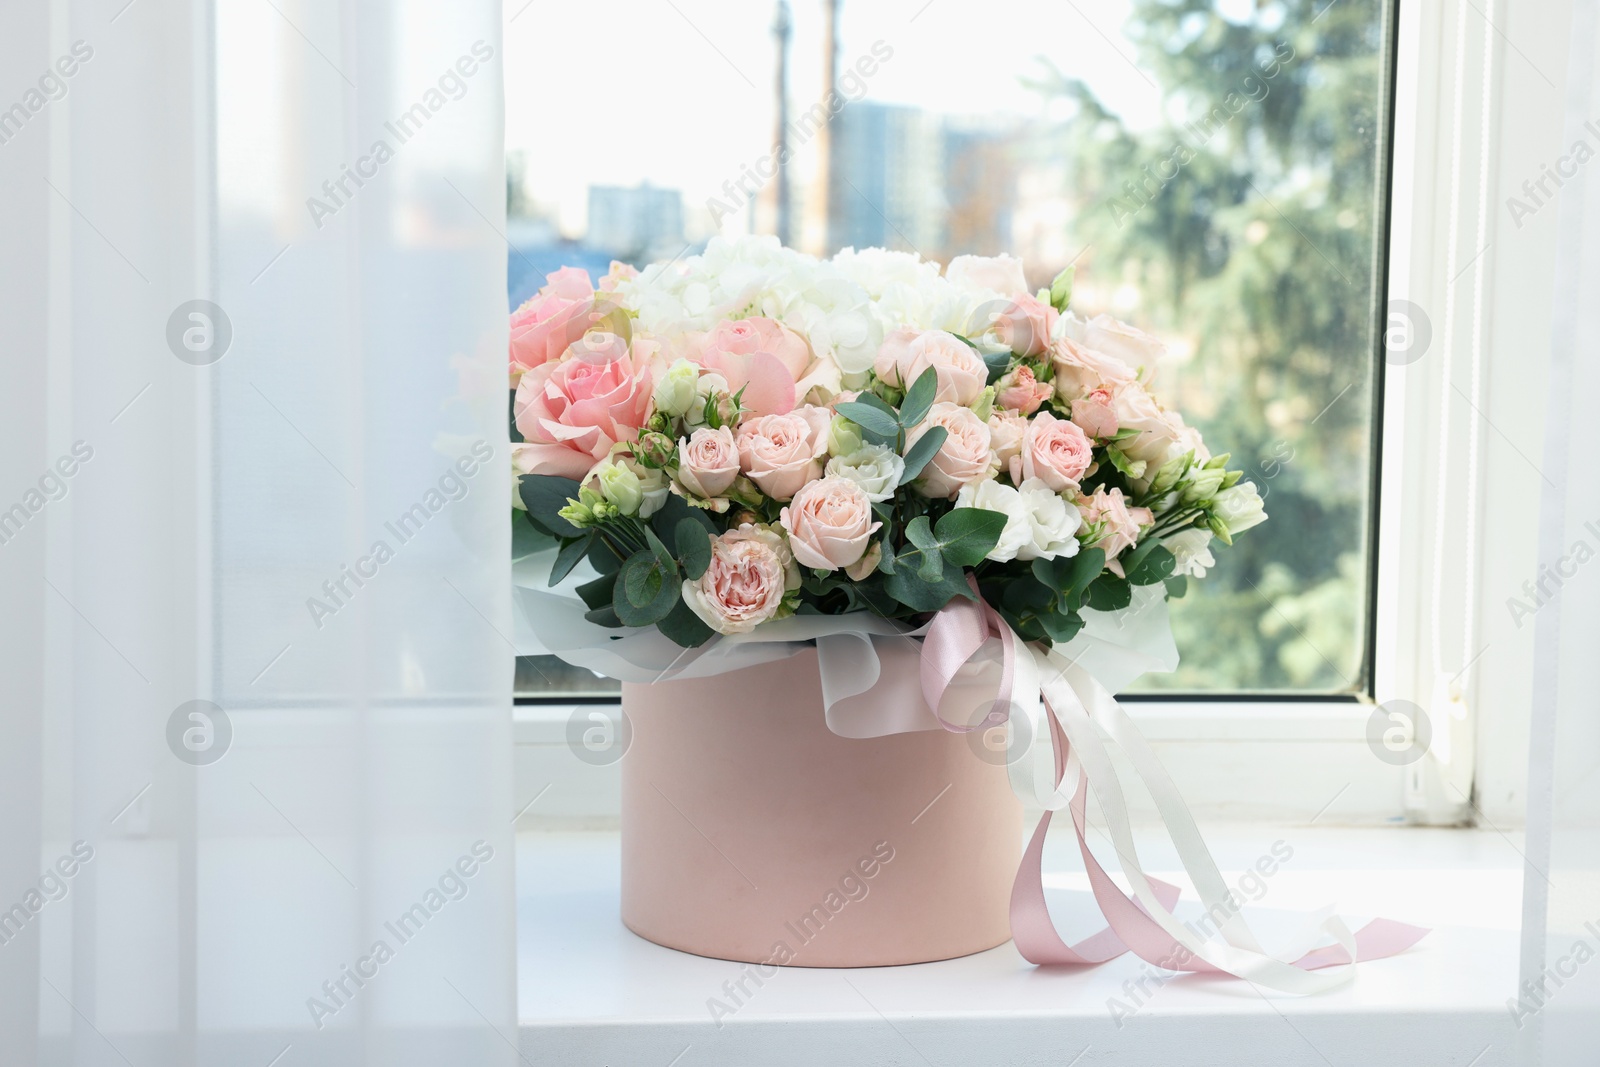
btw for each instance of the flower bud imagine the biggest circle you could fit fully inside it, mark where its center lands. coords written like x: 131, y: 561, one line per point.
x: 844, y: 437
x: 675, y: 392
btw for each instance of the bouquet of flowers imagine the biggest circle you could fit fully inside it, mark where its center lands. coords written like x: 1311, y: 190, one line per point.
x: 752, y: 433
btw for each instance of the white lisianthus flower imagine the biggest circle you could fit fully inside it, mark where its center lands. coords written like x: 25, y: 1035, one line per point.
x: 875, y: 468
x: 1240, y: 508
x: 1052, y: 522
x: 1191, y: 551
x: 990, y: 495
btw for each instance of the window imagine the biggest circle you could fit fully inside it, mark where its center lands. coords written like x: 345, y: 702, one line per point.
x: 1215, y: 171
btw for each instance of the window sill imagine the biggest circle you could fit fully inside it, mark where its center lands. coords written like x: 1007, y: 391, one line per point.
x: 590, y: 991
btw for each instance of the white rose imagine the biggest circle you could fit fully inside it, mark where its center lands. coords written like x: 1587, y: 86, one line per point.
x: 1240, y: 508
x: 1191, y: 550
x: 1133, y: 346
x: 675, y: 392
x: 874, y: 468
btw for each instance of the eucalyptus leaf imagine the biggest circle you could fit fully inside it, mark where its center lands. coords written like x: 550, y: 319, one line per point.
x: 571, y: 554
x: 544, y: 495
x: 919, y: 398
x: 883, y: 423
x: 683, y: 627
x: 923, y: 449
x: 1109, y: 593
x: 694, y: 547
x: 967, y: 535
x: 920, y: 533
x: 646, y: 590
x: 1156, y: 566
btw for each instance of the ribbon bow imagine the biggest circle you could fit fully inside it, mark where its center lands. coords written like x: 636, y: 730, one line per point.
x: 1049, y: 694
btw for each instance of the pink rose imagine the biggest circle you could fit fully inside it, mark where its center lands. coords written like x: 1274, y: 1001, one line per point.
x: 1002, y: 274
x: 829, y: 522
x: 1158, y: 430
x: 1020, y: 391
x: 1005, y: 436
x: 964, y: 456
x: 750, y: 570
x: 571, y: 412
x: 893, y: 353
x: 551, y: 320
x: 1026, y: 325
x: 781, y: 453
x: 708, y: 462
x: 959, y: 371
x: 1081, y: 370
x: 1120, y: 522
x: 763, y: 357
x: 1054, y: 451
x: 619, y: 272
x: 1094, y: 414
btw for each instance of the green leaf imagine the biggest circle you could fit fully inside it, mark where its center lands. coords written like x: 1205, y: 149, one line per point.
x: 544, y: 495
x: 674, y: 511
x: 646, y: 589
x: 527, y: 536
x: 1176, y: 587
x: 1086, y: 567
x: 919, y: 398
x: 572, y: 552
x: 598, y: 592
x: 921, y: 596
x: 1061, y: 628
x: 1155, y: 567
x: 516, y: 434
x: 920, y: 533
x: 663, y: 554
x: 886, y: 565
x: 1109, y: 593
x: 603, y: 559
x: 683, y: 627
x: 923, y: 449
x: 1061, y: 289
x: 998, y: 364
x: 1133, y: 468
x: 694, y: 547
x: 966, y: 535
x: 604, y: 615
x: 871, y: 419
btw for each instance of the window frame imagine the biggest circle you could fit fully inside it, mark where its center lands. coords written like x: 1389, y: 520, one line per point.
x: 1295, y: 747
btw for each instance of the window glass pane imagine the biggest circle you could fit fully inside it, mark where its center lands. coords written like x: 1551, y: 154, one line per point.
x: 1213, y: 169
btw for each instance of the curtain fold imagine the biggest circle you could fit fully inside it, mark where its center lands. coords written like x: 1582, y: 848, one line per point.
x: 256, y: 774
x: 1557, y: 1006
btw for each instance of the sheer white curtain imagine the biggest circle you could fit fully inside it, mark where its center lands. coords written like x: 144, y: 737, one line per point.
x: 252, y: 455
x: 1559, y: 1008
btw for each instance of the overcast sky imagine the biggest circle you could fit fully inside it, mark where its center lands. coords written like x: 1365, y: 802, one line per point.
x: 679, y: 92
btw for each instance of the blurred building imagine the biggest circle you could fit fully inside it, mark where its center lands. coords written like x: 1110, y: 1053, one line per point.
x: 635, y: 224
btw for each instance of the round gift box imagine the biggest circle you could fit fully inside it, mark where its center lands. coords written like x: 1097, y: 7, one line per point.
x: 751, y: 832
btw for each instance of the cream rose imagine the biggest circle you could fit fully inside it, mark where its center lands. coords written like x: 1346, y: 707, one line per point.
x: 1054, y: 451
x: 751, y: 568
x: 829, y: 522
x: 1005, y: 436
x: 708, y: 461
x: 1080, y: 369
x: 1001, y: 274
x: 1120, y: 341
x: 964, y: 456
x: 781, y: 453
x: 960, y: 372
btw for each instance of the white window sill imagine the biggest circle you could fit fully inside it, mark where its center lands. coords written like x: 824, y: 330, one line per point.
x: 589, y: 991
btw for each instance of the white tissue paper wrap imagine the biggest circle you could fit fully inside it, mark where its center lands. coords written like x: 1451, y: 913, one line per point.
x: 869, y: 665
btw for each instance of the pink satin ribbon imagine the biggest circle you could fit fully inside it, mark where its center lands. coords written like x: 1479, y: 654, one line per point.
x: 956, y: 635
